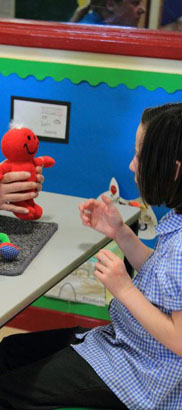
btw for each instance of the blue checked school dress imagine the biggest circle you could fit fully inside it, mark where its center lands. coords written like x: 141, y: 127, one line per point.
x: 140, y: 371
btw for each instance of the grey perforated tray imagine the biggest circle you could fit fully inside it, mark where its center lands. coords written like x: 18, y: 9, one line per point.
x: 29, y: 236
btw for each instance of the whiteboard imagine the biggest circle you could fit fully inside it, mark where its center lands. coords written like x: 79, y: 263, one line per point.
x: 47, y: 119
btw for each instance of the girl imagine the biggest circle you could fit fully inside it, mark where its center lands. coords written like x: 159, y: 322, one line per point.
x: 135, y: 362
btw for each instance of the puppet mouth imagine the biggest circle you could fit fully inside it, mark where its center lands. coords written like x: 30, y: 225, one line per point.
x: 29, y: 152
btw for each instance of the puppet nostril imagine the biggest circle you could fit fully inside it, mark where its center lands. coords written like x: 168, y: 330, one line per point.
x: 29, y: 138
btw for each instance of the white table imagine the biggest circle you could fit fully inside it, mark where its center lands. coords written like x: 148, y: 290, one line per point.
x: 68, y: 248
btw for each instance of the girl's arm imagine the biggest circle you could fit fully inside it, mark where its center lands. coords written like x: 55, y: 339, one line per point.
x: 166, y: 329
x: 135, y: 250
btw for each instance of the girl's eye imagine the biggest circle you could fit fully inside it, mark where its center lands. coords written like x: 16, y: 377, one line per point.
x: 136, y: 155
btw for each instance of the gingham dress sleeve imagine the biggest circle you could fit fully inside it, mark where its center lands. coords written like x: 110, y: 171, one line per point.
x: 172, y: 279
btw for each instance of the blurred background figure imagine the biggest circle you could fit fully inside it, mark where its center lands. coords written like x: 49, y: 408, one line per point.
x: 171, y: 15
x: 113, y: 12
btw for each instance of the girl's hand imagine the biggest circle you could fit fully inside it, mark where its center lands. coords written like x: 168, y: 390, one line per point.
x: 111, y: 271
x: 102, y: 216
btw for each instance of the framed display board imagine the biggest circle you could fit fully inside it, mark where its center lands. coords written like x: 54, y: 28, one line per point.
x: 48, y: 119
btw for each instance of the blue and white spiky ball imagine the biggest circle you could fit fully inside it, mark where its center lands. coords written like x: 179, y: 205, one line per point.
x: 8, y: 251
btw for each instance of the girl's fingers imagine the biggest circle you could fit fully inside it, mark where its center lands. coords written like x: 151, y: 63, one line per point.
x: 106, y: 199
x: 106, y: 255
x: 103, y: 260
x: 88, y: 205
x: 99, y: 266
x: 109, y: 254
x: 86, y: 218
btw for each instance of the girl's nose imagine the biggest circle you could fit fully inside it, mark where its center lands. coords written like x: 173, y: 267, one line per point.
x: 131, y: 166
x: 141, y: 10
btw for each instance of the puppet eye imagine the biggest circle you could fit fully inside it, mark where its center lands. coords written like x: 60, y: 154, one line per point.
x: 29, y: 138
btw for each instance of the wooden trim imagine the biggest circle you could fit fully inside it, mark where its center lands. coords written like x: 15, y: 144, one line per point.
x: 36, y: 318
x: 96, y: 39
x: 156, y: 7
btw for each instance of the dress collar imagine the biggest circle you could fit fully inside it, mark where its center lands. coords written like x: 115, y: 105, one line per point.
x: 92, y: 18
x: 169, y: 223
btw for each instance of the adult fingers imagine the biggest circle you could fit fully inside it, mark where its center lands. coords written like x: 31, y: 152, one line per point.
x: 39, y: 187
x: 14, y: 208
x: 40, y: 178
x: 16, y: 197
x: 15, y: 176
x: 38, y: 170
x: 19, y: 187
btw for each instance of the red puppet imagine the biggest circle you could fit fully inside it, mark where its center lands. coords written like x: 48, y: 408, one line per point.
x: 19, y: 146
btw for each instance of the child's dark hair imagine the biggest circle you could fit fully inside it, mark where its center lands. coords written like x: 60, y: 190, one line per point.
x: 161, y: 150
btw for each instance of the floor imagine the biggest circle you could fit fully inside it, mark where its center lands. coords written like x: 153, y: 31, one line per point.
x: 6, y: 331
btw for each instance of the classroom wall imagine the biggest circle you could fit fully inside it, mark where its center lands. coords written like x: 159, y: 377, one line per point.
x: 107, y: 94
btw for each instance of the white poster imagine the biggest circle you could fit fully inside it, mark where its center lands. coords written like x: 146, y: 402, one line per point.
x: 47, y: 119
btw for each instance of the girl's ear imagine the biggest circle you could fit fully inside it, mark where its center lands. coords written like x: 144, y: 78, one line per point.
x: 178, y: 166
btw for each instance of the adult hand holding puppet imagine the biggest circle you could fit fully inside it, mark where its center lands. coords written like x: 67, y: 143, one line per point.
x: 19, y: 146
